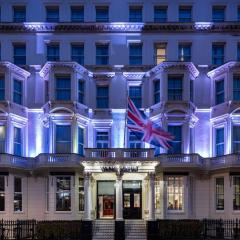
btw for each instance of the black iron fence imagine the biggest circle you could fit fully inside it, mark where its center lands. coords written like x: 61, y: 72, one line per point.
x: 193, y: 229
x: 45, y: 230
x: 156, y: 230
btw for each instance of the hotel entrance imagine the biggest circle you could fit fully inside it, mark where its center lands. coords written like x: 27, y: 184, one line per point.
x: 105, y: 199
x: 132, y: 199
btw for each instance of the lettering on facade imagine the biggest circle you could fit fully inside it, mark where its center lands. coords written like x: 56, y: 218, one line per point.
x: 125, y: 169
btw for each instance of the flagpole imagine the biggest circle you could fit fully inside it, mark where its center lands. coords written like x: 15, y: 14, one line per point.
x: 125, y: 120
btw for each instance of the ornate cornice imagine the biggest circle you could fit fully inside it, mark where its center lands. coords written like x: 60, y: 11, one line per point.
x: 167, y: 65
x: 134, y: 75
x: 14, y: 68
x: 32, y: 27
x: 73, y: 65
x: 222, y: 69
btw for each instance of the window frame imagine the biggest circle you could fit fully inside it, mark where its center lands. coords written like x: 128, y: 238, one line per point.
x: 18, y: 144
x: 79, y: 58
x: 182, y: 49
x: 137, y: 99
x: 19, y: 59
x: 219, y: 94
x: 219, y: 143
x: 2, y: 88
x: 216, y: 57
x: 102, y: 59
x: 136, y: 17
x: 22, y: 8
x: 51, y: 19
x: 175, y: 140
x: 101, y: 141
x: 236, y: 195
x: 81, y: 143
x: 136, y: 59
x: 106, y: 14
x: 3, y: 195
x: 19, y: 193
x: 219, y: 195
x: 174, y: 93
x: 81, y: 91
x: 99, y: 97
x: 158, y: 19
x: 56, y: 57
x: 157, y: 91
x: 183, y: 19
x: 137, y: 143
x: 63, y: 141
x: 63, y: 191
x: 179, y: 193
x: 217, y: 8
x: 60, y: 91
x: 77, y: 19
x: 158, y: 59
x: 235, y: 141
x: 81, y: 197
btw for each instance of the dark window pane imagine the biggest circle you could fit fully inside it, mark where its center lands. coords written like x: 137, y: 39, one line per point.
x: 19, y: 14
x: 135, y: 14
x: 102, y: 14
x: 77, y: 14
x: 52, y: 14
x: 160, y: 14
x: 185, y: 14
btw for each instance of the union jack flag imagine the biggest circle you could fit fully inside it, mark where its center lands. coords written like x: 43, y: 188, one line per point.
x: 145, y: 129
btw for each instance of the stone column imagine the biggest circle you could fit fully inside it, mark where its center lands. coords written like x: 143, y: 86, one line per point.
x: 119, y: 197
x: 151, y: 196
x: 87, y: 196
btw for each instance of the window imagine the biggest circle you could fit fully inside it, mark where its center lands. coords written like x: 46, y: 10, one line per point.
x: 17, y: 194
x: 17, y: 144
x: 236, y: 87
x: 135, y: 14
x: 185, y: 14
x: 81, y: 193
x: 135, y: 93
x: 63, y: 88
x: 19, y: 14
x: 175, y: 90
x: 219, y: 91
x: 81, y: 91
x: 63, y: 194
x: 102, y: 97
x: 63, y: 139
x: 238, y: 14
x: 46, y: 87
x: 160, y: 14
x: 238, y: 52
x: 81, y: 141
x: 236, y: 139
x: 17, y: 91
x: 219, y: 141
x: 47, y: 194
x: 77, y: 14
x: 102, y: 14
x: 135, y: 54
x: 134, y: 141
x: 2, y: 87
x: 184, y: 52
x: 53, y: 52
x: 78, y: 53
x: 102, y: 54
x: 191, y: 90
x: 156, y: 86
x: 218, y: 54
x: 157, y: 193
x: 102, y: 140
x: 2, y: 138
x: 160, y: 53
x: 220, y: 193
x: 176, y: 143
x: 218, y: 13
x: 175, y: 193
x: 2, y: 193
x: 236, y: 193
x: 52, y: 14
x: 19, y: 54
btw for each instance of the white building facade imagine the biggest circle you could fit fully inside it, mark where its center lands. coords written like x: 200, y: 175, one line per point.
x: 66, y: 70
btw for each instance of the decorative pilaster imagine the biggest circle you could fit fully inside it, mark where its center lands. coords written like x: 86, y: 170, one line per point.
x: 119, y: 201
x: 87, y: 196
x: 151, y: 196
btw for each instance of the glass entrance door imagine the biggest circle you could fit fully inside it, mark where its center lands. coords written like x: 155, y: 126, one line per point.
x: 132, y: 199
x: 105, y: 199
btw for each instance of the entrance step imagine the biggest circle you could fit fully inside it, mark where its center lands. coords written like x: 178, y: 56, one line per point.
x: 135, y: 229
x: 103, y: 229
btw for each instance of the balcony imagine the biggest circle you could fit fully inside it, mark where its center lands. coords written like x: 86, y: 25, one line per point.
x: 11, y: 161
x: 225, y: 161
x: 119, y: 154
x: 181, y: 161
x: 46, y: 160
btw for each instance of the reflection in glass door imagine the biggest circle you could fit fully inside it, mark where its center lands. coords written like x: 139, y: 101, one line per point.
x: 132, y: 199
x: 105, y: 199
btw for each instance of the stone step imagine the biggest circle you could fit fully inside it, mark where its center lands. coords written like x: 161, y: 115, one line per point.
x: 103, y: 230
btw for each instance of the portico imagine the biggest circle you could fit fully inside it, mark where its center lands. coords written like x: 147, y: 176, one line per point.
x: 119, y: 189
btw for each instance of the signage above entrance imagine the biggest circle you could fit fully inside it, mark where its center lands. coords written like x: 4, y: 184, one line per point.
x: 126, y: 169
